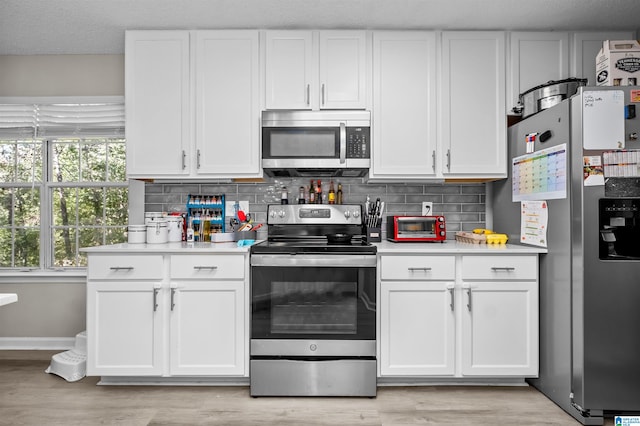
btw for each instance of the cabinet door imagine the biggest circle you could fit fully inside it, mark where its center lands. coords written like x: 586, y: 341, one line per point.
x: 473, y: 116
x: 404, y: 105
x: 586, y: 46
x: 208, y: 328
x: 157, y: 103
x: 289, y: 70
x: 536, y: 58
x: 500, y: 329
x: 124, y: 328
x: 417, y: 328
x: 342, y: 69
x: 227, y: 103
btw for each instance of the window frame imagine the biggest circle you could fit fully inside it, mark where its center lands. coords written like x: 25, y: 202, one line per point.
x: 47, y: 185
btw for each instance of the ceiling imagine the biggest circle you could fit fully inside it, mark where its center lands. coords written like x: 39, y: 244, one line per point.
x: 29, y: 27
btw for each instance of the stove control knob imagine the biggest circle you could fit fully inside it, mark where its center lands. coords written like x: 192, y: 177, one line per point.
x: 347, y: 214
x: 313, y: 347
x: 281, y: 213
x: 356, y: 214
x: 273, y: 213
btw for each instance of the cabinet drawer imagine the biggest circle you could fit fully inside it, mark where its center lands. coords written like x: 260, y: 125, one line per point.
x: 208, y: 266
x: 117, y: 267
x: 499, y: 267
x: 417, y: 267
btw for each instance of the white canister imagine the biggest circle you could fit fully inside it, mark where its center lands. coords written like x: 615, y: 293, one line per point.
x: 150, y: 217
x: 157, y: 232
x: 174, y: 225
x: 137, y: 234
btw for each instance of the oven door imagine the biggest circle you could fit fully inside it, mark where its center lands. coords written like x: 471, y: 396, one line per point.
x: 313, y: 297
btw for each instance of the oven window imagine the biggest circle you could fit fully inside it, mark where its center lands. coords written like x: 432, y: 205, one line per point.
x: 422, y: 227
x: 301, y: 143
x: 297, y: 302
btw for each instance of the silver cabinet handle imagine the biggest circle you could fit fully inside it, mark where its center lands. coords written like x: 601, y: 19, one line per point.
x: 469, y: 299
x: 155, y: 299
x: 121, y: 268
x: 199, y: 268
x: 184, y: 157
x: 425, y: 269
x: 449, y: 160
x: 433, y: 160
x: 343, y: 143
x: 322, y: 93
x: 452, y: 294
x: 308, y: 94
x: 173, y: 295
x: 198, y: 160
x: 503, y: 268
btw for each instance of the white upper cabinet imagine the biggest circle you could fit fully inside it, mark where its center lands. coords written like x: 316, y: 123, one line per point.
x: 472, y: 131
x: 312, y: 70
x: 157, y: 103
x: 343, y: 69
x: 536, y: 58
x: 227, y: 103
x: 586, y: 46
x: 193, y: 104
x: 404, y: 105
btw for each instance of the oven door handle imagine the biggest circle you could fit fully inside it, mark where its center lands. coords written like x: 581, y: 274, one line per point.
x: 296, y: 260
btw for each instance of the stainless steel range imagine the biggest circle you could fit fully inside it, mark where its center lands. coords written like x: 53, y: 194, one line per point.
x: 313, y: 304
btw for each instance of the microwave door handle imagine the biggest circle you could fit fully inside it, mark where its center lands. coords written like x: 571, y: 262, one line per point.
x: 343, y: 143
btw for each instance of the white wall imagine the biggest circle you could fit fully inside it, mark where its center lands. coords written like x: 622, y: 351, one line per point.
x: 50, y: 311
x: 62, y: 75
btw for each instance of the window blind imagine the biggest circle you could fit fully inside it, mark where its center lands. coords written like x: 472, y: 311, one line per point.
x: 41, y: 120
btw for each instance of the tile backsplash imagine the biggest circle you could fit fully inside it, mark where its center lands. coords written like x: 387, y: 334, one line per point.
x: 463, y: 205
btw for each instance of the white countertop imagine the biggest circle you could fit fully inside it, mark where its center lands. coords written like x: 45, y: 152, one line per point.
x: 6, y: 298
x: 388, y: 247
x: 182, y: 247
x: 455, y: 247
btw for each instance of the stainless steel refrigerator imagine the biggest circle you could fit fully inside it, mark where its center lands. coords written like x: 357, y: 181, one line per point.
x: 590, y: 277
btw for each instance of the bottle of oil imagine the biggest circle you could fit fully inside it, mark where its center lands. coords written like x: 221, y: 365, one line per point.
x: 339, y: 194
x: 331, y: 197
x: 312, y: 193
x: 319, y: 192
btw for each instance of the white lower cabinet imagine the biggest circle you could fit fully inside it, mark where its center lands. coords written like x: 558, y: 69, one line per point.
x: 167, y: 315
x: 419, y: 326
x: 124, y: 329
x: 500, y: 316
x: 207, y: 315
x: 458, y: 316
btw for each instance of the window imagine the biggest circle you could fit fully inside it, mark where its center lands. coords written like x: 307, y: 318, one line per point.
x: 63, y: 187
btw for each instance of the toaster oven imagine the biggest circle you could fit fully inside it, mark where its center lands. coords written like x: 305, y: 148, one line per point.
x: 416, y: 228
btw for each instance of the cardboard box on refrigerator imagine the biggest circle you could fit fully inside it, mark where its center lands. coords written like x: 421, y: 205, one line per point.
x: 618, y: 63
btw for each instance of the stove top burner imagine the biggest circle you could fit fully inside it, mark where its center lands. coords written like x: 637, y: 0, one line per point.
x: 301, y: 228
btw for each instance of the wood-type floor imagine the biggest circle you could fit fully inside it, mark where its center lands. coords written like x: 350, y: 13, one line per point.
x: 29, y: 396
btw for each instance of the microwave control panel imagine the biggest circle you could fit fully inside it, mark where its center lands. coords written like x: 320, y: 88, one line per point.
x: 358, y: 142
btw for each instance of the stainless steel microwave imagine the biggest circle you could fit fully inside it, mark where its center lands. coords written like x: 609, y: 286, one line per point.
x: 316, y: 143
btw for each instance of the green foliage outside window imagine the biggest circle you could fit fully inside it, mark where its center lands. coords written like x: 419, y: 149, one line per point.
x: 59, y: 195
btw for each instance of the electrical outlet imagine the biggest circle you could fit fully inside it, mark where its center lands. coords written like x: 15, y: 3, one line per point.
x: 427, y: 208
x: 230, y: 211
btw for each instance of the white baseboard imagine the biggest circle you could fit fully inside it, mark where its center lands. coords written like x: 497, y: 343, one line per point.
x: 37, y: 343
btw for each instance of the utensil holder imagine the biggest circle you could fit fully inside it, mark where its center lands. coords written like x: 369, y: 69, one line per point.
x: 374, y: 235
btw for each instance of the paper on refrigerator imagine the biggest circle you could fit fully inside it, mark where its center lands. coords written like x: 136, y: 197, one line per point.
x: 533, y: 222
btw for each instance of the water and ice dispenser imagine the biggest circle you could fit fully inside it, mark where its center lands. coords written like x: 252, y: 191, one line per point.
x: 619, y: 221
